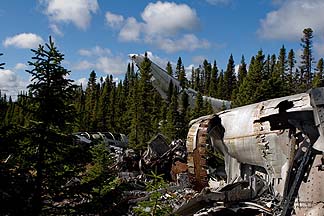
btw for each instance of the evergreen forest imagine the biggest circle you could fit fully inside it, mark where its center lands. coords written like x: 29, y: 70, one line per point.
x: 41, y: 166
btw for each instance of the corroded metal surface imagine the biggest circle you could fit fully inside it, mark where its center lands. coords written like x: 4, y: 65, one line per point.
x: 196, y: 147
x: 311, y: 192
x: 272, y: 139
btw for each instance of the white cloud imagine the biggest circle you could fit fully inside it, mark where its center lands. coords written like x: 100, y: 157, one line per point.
x: 20, y: 66
x: 77, y: 12
x: 95, y: 51
x: 101, y: 60
x: 319, y: 48
x: 198, y: 59
x: 82, y: 81
x: 158, y: 60
x: 115, y: 65
x: 56, y: 29
x: 166, y: 25
x: 83, y: 65
x: 188, y: 42
x: 289, y: 20
x: 131, y: 30
x: 168, y: 18
x: 11, y: 84
x: 114, y: 20
x: 162, y: 62
x: 23, y: 40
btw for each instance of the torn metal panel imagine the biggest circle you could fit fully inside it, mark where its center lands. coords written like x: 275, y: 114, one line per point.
x: 277, y: 139
x: 317, y: 99
x: 196, y: 147
x: 232, y: 197
x: 311, y: 192
x: 111, y: 139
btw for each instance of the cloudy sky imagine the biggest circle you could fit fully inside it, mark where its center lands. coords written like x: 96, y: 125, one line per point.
x: 99, y: 35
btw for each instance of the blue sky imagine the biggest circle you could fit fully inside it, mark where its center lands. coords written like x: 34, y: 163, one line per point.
x: 98, y: 35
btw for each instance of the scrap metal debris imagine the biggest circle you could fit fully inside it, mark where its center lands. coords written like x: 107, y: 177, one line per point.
x: 262, y: 159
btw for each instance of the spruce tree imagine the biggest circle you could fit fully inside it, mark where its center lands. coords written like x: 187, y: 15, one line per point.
x: 318, y: 79
x: 171, y: 89
x: 307, y: 59
x: 251, y: 90
x: 221, y: 86
x: 213, y: 81
x: 104, y: 106
x: 197, y: 79
x: 183, y: 78
x: 291, y: 64
x: 192, y: 79
x: 198, y: 109
x: 141, y: 125
x: 169, y: 69
x: 207, y: 76
x: 52, y: 117
x: 184, y: 116
x: 242, y: 72
x: 91, y: 100
x: 281, y: 64
x: 229, y: 78
x: 170, y: 129
x: 178, y: 68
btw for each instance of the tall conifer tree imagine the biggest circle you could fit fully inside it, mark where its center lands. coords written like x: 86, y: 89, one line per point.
x: 307, y: 59
x: 52, y: 115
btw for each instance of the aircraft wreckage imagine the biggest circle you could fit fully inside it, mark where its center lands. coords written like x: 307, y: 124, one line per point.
x: 265, y: 158
x: 272, y: 148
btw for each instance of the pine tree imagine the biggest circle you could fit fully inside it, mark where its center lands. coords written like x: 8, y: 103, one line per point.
x: 274, y: 84
x: 281, y: 64
x: 170, y: 129
x: 273, y: 61
x: 104, y: 106
x: 111, y: 115
x: 170, y: 91
x: 267, y: 72
x: 221, y: 86
x: 318, y: 79
x: 207, y: 76
x: 307, y: 59
x: 291, y: 64
x: 208, y: 109
x: 101, y: 180
x: 169, y: 69
x: 251, y: 90
x: 197, y: 80
x: 198, y: 109
x: 141, y: 125
x: 178, y: 68
x: 242, y: 72
x: 91, y: 100
x: 192, y: 79
x: 183, y: 78
x: 213, y: 81
x: 184, y: 116
x: 229, y: 78
x: 51, y: 94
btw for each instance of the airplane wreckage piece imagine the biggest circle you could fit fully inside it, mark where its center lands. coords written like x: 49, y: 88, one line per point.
x: 161, y: 80
x: 277, y: 143
x: 111, y: 139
